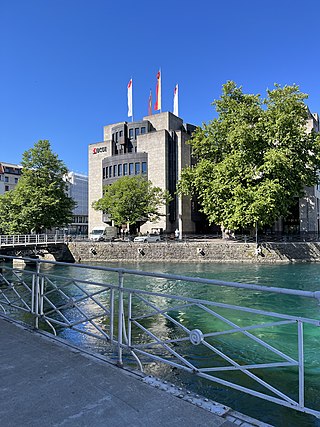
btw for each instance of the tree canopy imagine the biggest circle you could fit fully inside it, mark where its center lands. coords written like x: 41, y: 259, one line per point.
x: 132, y: 199
x: 39, y: 201
x: 254, y: 158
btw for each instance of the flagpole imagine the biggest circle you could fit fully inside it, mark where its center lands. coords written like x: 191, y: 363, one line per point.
x: 161, y: 89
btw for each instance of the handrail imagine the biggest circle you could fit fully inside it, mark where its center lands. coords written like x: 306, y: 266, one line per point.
x: 31, y: 239
x: 120, y: 315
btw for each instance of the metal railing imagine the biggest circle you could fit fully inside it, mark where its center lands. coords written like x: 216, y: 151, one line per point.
x: 30, y: 240
x: 148, y: 324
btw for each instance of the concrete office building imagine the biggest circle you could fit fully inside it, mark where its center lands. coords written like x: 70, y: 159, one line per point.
x: 9, y: 176
x: 77, y: 189
x: 154, y: 147
x: 305, y: 215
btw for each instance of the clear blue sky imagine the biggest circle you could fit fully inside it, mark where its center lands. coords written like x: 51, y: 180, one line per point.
x: 65, y: 64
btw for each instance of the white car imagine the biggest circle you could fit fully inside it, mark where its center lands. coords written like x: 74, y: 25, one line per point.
x: 149, y: 238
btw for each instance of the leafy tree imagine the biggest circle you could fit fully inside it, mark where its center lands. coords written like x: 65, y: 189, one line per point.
x: 254, y: 158
x: 39, y: 201
x: 131, y: 200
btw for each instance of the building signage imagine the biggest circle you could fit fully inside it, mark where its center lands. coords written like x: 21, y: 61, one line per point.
x: 99, y: 150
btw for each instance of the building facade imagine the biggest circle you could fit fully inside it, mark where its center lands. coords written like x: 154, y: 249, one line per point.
x: 154, y: 147
x: 77, y: 189
x: 9, y: 176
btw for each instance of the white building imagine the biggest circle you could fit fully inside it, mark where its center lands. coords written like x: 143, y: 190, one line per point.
x: 9, y: 176
x: 77, y: 189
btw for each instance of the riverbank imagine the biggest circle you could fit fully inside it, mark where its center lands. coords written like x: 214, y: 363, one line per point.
x: 195, y: 251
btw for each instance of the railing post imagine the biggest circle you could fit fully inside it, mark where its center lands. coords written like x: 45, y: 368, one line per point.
x: 36, y: 296
x: 120, y: 317
x: 301, y: 363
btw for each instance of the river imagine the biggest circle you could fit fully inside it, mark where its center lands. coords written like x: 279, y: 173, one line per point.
x: 294, y: 276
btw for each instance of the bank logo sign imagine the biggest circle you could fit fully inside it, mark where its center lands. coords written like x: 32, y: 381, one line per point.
x: 99, y: 150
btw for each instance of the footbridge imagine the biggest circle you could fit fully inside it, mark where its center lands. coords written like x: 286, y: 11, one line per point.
x: 30, y: 240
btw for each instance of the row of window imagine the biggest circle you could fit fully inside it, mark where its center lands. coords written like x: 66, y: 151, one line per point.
x: 133, y: 132
x: 6, y: 179
x: 123, y: 169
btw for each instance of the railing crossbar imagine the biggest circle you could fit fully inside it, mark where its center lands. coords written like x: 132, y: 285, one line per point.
x: 249, y: 335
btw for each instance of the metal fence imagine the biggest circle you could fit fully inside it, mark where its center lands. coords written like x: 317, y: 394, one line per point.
x: 123, y: 316
x: 31, y: 240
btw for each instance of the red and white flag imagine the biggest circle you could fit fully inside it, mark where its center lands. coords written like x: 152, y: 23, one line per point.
x: 150, y: 104
x: 130, y: 113
x: 157, y: 105
x: 176, y: 100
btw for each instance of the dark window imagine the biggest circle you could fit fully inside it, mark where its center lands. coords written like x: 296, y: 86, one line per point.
x: 103, y: 173
x: 16, y: 180
x: 6, y: 179
x: 106, y: 172
x: 143, y: 130
x: 137, y: 168
x: 110, y: 171
x: 117, y: 136
x: 114, y: 170
x: 6, y: 188
x: 136, y: 132
x: 130, y: 133
x: 119, y: 170
x: 120, y: 133
x: 144, y: 168
x: 125, y: 169
x: 130, y: 168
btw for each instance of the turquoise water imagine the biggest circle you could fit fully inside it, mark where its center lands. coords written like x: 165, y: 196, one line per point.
x: 293, y: 276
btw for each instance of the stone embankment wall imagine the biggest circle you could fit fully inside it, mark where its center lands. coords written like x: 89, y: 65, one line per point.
x: 201, y: 251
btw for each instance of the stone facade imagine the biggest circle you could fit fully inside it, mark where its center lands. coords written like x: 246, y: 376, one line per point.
x: 154, y: 147
x: 195, y: 252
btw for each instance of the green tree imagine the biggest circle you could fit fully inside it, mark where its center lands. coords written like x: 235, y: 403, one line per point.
x: 39, y: 201
x: 254, y: 158
x: 132, y: 200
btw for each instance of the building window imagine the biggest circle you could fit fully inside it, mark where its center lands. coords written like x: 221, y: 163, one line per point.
x: 106, y: 172
x: 103, y: 173
x: 130, y: 133
x: 125, y: 169
x: 143, y: 130
x: 136, y: 132
x: 114, y: 170
x: 144, y: 168
x: 119, y: 170
x: 130, y: 168
x: 137, y: 168
x: 120, y: 134
x: 110, y: 171
x: 16, y: 180
x: 6, y: 188
x: 6, y: 179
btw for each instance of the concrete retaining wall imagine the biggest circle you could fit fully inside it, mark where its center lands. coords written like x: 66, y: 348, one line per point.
x: 203, y: 251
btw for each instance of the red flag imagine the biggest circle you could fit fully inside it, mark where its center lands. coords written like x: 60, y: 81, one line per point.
x: 157, y: 105
x: 150, y: 104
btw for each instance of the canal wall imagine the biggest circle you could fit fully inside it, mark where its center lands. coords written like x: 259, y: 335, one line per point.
x: 191, y: 251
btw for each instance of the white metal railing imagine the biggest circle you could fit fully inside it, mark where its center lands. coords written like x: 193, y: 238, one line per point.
x: 30, y: 239
x: 130, y: 320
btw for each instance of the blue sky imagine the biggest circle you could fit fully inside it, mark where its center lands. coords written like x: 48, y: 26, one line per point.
x: 65, y: 64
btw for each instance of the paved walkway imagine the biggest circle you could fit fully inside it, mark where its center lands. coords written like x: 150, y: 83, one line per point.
x: 44, y: 382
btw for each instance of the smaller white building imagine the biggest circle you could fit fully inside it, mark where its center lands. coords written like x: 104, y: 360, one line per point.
x: 9, y: 176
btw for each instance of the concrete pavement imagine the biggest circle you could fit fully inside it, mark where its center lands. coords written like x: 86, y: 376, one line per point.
x: 44, y: 382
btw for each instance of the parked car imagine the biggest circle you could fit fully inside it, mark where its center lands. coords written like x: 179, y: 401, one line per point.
x: 148, y: 238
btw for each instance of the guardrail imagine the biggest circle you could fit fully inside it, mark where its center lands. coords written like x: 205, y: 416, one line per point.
x: 124, y: 318
x: 31, y: 239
